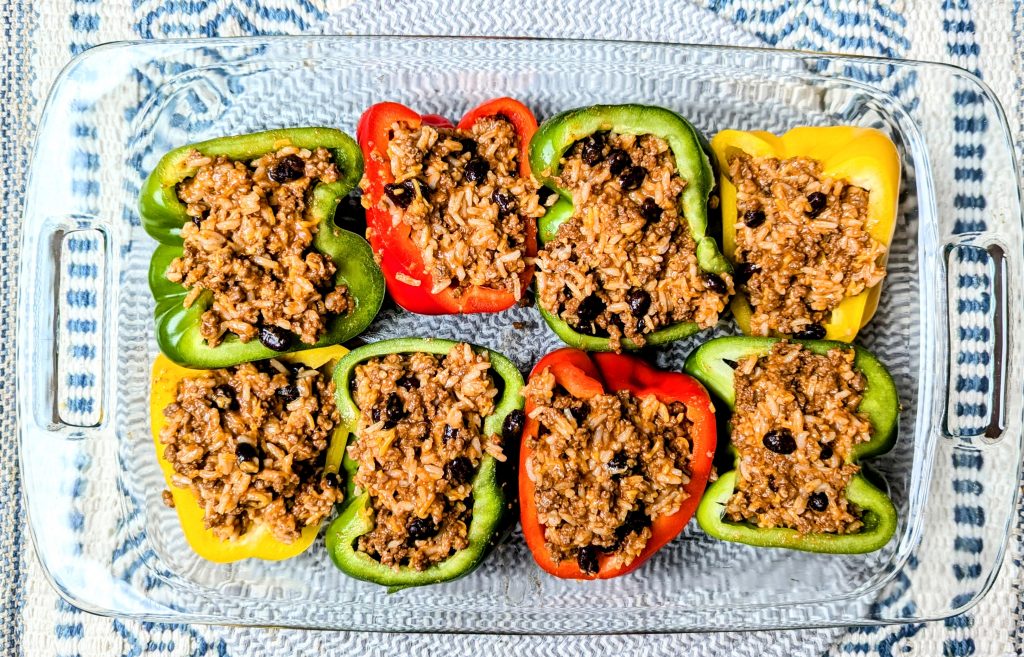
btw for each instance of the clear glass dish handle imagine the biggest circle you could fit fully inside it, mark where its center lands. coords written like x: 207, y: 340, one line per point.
x: 67, y: 332
x: 978, y: 287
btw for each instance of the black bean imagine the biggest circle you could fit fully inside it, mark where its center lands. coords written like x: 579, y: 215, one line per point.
x: 512, y: 427
x: 544, y: 194
x: 714, y: 283
x: 826, y: 452
x: 476, y: 170
x: 586, y: 559
x: 450, y: 433
x: 636, y: 520
x: 274, y: 337
x: 350, y: 213
x: 287, y: 393
x: 589, y: 309
x: 580, y: 412
x: 753, y: 218
x: 224, y: 397
x: 287, y: 169
x: 650, y: 210
x: 468, y: 145
x: 408, y: 382
x: 817, y: 201
x: 375, y: 414
x: 248, y: 458
x: 393, y: 411
x: 592, y: 148
x: 198, y: 221
x: 295, y: 368
x: 780, y: 441
x: 817, y: 502
x: 632, y: 178
x: 619, y: 463
x: 331, y: 481
x: 421, y: 528
x: 459, y: 470
x: 810, y: 332
x: 639, y: 301
x: 401, y: 194
x: 618, y: 160
x: 506, y: 201
x: 744, y: 271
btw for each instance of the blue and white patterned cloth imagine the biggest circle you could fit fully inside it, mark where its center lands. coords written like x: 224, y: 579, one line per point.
x: 984, y: 36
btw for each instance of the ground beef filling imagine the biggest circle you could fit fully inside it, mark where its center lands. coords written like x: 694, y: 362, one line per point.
x: 795, y: 422
x: 420, y: 444
x: 801, y: 243
x: 625, y: 264
x: 250, y: 442
x: 250, y: 244
x: 468, y: 207
x: 604, y: 469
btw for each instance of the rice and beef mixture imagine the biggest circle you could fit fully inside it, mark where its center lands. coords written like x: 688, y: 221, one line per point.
x: 250, y: 442
x: 604, y: 469
x: 467, y: 206
x: 250, y: 245
x: 420, y: 445
x: 801, y: 243
x: 794, y: 425
x: 625, y: 264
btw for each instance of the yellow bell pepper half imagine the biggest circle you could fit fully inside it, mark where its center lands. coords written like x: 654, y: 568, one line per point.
x: 863, y: 156
x: 258, y: 542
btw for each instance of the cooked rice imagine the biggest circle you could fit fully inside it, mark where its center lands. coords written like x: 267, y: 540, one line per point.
x: 815, y: 398
x: 250, y: 245
x: 803, y: 264
x: 466, y: 237
x: 604, y: 468
x: 608, y: 254
x: 420, y: 444
x: 283, y: 418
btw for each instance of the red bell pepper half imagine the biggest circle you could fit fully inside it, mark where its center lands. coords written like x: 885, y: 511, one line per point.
x: 400, y: 259
x: 584, y: 376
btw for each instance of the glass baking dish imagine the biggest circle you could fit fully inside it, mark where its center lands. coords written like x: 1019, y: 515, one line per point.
x: 945, y: 328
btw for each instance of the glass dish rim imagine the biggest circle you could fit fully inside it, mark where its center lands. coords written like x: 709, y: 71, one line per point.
x: 247, y: 41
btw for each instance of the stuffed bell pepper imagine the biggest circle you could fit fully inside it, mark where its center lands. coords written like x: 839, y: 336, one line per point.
x: 250, y: 453
x: 431, y: 422
x: 615, y: 456
x: 807, y: 219
x: 627, y: 260
x: 451, y: 210
x: 250, y: 262
x: 803, y: 415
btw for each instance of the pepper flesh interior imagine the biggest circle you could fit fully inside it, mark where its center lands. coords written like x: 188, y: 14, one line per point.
x: 801, y: 241
x: 462, y: 195
x: 625, y: 264
x: 250, y: 243
x: 604, y: 469
x: 794, y: 427
x: 420, y: 443
x: 250, y: 442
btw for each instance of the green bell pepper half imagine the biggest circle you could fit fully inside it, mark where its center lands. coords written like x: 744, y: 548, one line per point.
x: 880, y: 403
x: 693, y: 163
x: 163, y: 215
x: 493, y: 485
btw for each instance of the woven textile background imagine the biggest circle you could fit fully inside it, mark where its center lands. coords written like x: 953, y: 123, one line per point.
x: 38, y: 38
